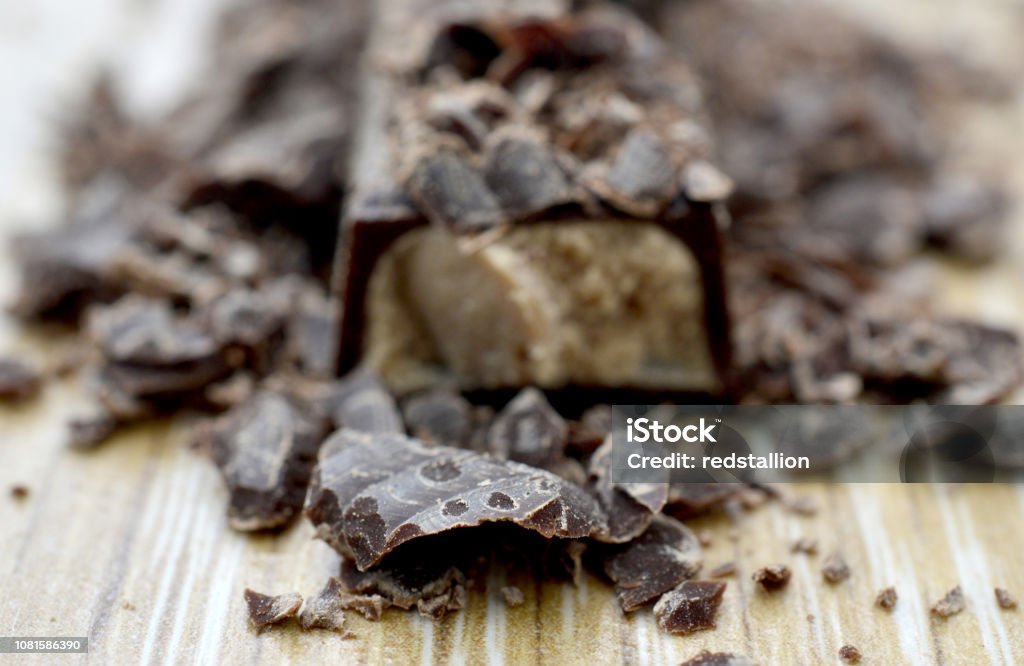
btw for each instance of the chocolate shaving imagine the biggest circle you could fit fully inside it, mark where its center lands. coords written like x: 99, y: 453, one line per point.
x: 657, y: 561
x: 690, y: 607
x: 373, y: 493
x: 266, y: 449
x: 772, y: 578
x: 266, y: 610
x: 951, y: 604
x: 325, y: 610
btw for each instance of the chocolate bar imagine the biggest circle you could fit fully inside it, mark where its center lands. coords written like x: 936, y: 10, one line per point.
x: 532, y: 204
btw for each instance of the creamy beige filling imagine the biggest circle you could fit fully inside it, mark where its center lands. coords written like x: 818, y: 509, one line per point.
x: 591, y: 303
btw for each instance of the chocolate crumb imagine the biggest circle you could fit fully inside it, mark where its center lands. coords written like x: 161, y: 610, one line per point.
x: 708, y: 658
x: 325, y: 610
x: 951, y: 604
x: 370, y: 606
x: 704, y: 536
x: 513, y: 596
x: 806, y: 546
x: 266, y: 610
x: 773, y: 578
x: 804, y: 506
x: 723, y: 570
x: 887, y: 598
x: 849, y: 654
x: 1006, y: 600
x: 20, y: 492
x: 835, y: 570
x: 690, y: 607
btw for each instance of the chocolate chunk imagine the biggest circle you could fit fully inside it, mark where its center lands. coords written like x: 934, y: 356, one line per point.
x: 360, y: 402
x: 513, y: 596
x: 1005, y: 600
x: 850, y: 654
x: 440, y: 416
x: 529, y: 431
x: 266, y: 449
x: 642, y: 179
x: 19, y: 492
x: 87, y: 432
x: 690, y: 607
x: 266, y: 610
x: 373, y: 493
x: 525, y: 177
x: 653, y: 563
x: 723, y: 570
x: 887, y: 599
x: 772, y: 578
x: 707, y: 658
x: 587, y: 434
x: 325, y: 610
x: 450, y: 192
x: 630, y: 507
x: 951, y: 604
x: 18, y: 380
x: 806, y: 546
x: 835, y: 569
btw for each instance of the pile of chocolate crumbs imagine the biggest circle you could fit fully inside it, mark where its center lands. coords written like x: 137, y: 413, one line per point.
x: 196, y: 263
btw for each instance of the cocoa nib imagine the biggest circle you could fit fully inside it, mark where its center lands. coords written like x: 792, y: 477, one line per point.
x: 1005, y: 600
x: 266, y: 610
x: 887, y: 599
x: 951, y: 604
x: 658, y: 560
x: 835, y: 569
x: 373, y: 493
x: 266, y: 449
x: 325, y: 610
x: 18, y: 380
x: 773, y: 577
x: 708, y: 658
x: 690, y: 607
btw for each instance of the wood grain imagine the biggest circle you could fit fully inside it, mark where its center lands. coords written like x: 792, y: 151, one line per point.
x: 129, y: 544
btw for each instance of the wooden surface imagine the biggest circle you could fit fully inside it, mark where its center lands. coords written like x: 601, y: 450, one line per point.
x: 129, y: 545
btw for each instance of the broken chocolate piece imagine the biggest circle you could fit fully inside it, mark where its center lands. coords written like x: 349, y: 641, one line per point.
x: 708, y: 658
x: 642, y: 179
x: 18, y: 380
x: 690, y: 607
x: 835, y: 569
x: 440, y: 416
x: 887, y: 599
x: 513, y: 596
x: 267, y: 610
x: 657, y: 561
x: 1005, y: 600
x: 453, y: 194
x: 524, y: 176
x: 87, y: 432
x: 370, y: 606
x: 529, y: 431
x: 630, y: 507
x: 266, y: 449
x: 772, y: 578
x: 951, y: 604
x: 723, y: 570
x: 360, y: 402
x: 373, y: 493
x: 850, y: 654
x: 325, y: 610
x: 423, y: 580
